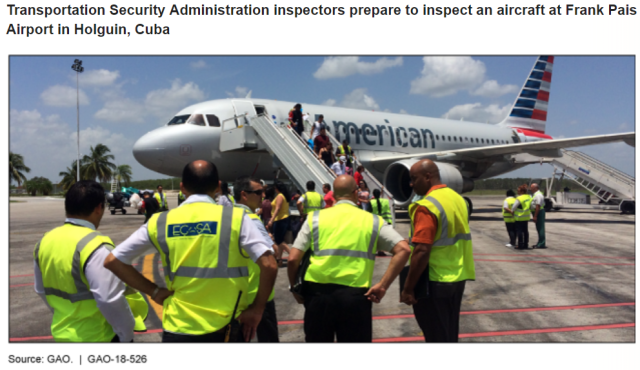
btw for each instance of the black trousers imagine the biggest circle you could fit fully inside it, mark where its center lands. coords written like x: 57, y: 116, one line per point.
x: 337, y: 312
x: 439, y: 315
x: 522, y: 229
x: 215, y: 337
x: 511, y: 230
x: 267, y: 330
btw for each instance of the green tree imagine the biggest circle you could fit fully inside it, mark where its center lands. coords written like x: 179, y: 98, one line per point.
x: 40, y: 185
x: 17, y: 168
x: 97, y: 164
x: 123, y: 174
x: 69, y: 176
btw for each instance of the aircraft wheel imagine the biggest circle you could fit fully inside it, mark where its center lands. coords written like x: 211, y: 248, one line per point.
x: 469, y: 205
x: 628, y: 207
x: 124, y: 211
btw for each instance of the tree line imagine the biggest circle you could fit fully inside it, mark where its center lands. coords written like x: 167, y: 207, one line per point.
x: 96, y: 166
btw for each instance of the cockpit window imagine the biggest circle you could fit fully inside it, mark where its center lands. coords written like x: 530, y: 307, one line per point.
x: 178, y: 120
x: 197, y: 119
x: 213, y: 120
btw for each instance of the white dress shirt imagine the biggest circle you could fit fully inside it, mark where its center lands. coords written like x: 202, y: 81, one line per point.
x: 224, y: 200
x: 138, y: 244
x: 339, y: 168
x: 538, y: 200
x: 107, y: 289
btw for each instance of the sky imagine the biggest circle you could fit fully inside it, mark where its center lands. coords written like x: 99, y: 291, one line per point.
x: 122, y: 98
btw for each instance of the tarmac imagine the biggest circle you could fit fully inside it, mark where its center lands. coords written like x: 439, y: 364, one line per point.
x: 580, y: 289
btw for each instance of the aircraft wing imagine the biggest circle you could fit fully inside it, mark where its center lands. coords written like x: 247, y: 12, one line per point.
x: 550, y: 148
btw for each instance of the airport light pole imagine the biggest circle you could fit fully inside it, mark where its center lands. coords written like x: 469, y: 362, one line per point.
x: 77, y: 66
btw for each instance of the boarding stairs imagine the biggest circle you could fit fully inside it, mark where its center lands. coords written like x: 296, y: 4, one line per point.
x: 606, y: 182
x: 114, y: 185
x: 371, y: 181
x: 248, y: 130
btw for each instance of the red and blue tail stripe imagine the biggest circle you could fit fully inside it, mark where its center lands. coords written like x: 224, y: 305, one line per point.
x: 530, y: 109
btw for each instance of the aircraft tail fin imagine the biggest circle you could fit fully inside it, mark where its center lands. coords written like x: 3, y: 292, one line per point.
x: 530, y: 108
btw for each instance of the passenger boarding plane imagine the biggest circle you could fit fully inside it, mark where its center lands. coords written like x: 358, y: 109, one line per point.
x: 387, y: 144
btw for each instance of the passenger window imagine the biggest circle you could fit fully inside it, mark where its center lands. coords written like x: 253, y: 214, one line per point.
x: 460, y: 138
x: 482, y: 141
x: 449, y: 138
x: 454, y: 139
x: 213, y: 120
x: 437, y: 137
x: 197, y: 119
x: 178, y: 120
x: 492, y: 142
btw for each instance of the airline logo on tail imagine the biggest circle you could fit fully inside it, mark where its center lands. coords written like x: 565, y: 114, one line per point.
x: 530, y: 108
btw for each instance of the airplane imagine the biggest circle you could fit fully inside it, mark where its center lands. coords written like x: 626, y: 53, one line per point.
x: 387, y: 144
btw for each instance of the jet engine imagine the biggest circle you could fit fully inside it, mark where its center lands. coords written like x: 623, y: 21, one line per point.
x: 396, y: 180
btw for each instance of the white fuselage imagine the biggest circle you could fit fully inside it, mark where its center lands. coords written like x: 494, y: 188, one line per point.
x: 371, y: 134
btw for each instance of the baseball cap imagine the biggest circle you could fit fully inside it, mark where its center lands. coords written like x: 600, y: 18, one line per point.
x: 343, y: 159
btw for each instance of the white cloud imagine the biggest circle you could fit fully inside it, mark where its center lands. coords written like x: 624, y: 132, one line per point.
x: 164, y: 103
x: 330, y: 102
x: 121, y: 110
x: 48, y: 144
x: 240, y: 92
x: 492, y: 89
x: 402, y: 111
x: 443, y: 76
x: 358, y: 99
x: 623, y: 126
x: 476, y: 112
x: 200, y: 64
x: 98, y: 77
x: 63, y: 96
x: 337, y: 67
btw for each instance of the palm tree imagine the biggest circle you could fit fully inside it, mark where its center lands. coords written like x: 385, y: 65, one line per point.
x: 123, y: 174
x: 69, y: 176
x: 39, y: 185
x: 97, y: 164
x: 16, y: 168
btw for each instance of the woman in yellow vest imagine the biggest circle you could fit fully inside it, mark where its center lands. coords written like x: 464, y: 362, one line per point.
x: 509, y: 220
x: 381, y: 207
x: 279, y: 223
x: 522, y: 213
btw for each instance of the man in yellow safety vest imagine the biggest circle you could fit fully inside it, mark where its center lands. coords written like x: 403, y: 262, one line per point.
x: 310, y: 201
x: 88, y: 302
x: 509, y: 220
x: 442, y: 248
x: 161, y: 197
x: 338, y: 290
x: 248, y: 194
x: 205, y: 250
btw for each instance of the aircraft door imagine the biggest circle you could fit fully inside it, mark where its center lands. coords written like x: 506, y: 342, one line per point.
x: 234, y: 134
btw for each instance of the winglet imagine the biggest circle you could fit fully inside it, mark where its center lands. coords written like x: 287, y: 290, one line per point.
x: 248, y: 95
x: 530, y: 108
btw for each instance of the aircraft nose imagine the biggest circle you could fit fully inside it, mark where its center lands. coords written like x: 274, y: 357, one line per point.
x: 150, y: 150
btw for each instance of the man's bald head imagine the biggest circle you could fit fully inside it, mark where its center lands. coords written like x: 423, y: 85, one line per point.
x: 344, y: 186
x: 200, y: 177
x: 534, y: 187
x: 424, y: 174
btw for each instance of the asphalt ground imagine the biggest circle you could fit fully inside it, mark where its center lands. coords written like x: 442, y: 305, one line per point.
x: 580, y: 289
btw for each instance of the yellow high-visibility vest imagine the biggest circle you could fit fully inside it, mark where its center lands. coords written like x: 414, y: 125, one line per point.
x: 254, y: 269
x: 508, y: 217
x: 385, y: 210
x: 162, y: 200
x: 343, y: 239
x: 61, y: 256
x: 523, y: 212
x: 451, y: 258
x: 312, y: 202
x: 203, y: 266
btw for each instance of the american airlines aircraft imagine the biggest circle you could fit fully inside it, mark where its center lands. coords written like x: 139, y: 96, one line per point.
x: 387, y: 144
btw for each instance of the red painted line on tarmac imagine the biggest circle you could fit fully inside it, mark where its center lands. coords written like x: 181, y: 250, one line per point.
x: 489, y: 312
x: 560, y: 262
x: 515, y: 332
x: 19, y: 285
x: 545, y: 256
